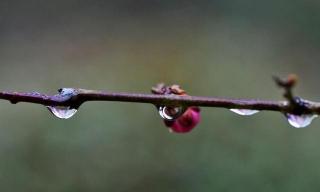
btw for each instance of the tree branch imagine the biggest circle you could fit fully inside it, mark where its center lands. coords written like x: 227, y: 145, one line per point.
x: 79, y: 96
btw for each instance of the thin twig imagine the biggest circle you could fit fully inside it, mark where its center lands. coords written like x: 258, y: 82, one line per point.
x: 82, y: 95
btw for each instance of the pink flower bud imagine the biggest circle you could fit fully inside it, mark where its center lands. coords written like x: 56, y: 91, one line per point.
x: 186, y: 122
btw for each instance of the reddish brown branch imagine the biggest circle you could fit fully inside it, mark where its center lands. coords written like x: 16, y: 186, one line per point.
x: 80, y: 96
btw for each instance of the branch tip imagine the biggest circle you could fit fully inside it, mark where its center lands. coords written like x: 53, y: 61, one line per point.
x: 287, y: 83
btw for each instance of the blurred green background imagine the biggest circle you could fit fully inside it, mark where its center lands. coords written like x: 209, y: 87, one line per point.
x: 211, y: 48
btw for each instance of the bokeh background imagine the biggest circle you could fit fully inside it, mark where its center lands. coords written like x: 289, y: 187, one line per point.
x: 211, y: 48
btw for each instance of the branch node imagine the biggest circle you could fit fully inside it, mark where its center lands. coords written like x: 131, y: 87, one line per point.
x: 162, y: 89
x: 287, y: 84
x: 297, y: 105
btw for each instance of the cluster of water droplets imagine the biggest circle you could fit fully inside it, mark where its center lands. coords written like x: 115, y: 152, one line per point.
x: 63, y: 112
x: 170, y: 113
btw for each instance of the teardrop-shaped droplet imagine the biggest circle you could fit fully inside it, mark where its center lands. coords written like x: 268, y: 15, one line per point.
x: 170, y: 113
x: 62, y: 112
x: 246, y: 112
x: 300, y: 121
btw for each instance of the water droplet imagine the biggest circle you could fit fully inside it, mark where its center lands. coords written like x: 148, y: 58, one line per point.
x: 62, y: 112
x: 170, y: 113
x: 66, y: 92
x: 300, y: 121
x: 246, y: 112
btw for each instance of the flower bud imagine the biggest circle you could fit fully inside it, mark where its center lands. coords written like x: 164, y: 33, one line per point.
x: 186, y: 122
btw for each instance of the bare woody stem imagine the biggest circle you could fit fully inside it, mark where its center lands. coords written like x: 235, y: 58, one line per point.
x: 82, y: 95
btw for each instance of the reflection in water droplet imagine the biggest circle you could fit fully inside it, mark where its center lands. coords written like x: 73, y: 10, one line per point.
x: 66, y: 91
x: 300, y: 121
x: 244, y: 111
x: 170, y: 113
x: 62, y: 112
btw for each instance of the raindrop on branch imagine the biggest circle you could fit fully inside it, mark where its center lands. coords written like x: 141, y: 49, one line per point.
x: 170, y: 113
x: 64, y: 112
x: 300, y: 121
x: 245, y: 112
